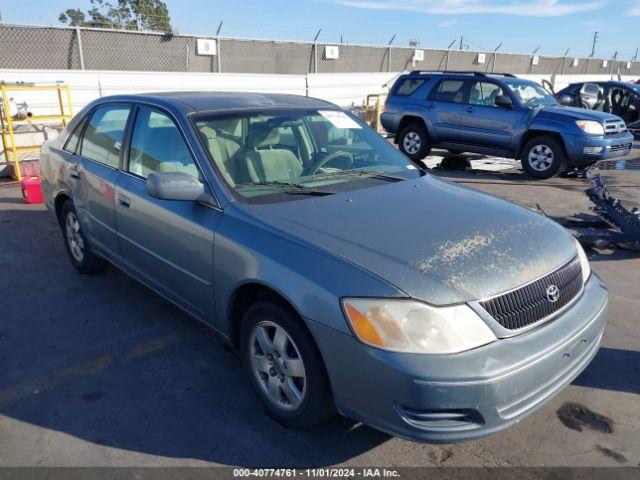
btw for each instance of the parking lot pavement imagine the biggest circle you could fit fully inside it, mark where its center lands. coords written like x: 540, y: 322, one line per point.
x: 100, y: 371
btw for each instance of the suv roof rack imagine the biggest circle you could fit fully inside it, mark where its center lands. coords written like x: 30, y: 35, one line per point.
x: 465, y: 72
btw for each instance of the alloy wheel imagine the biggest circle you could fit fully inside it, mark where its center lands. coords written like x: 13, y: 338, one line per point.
x: 411, y: 143
x: 74, y: 237
x: 277, y: 365
x: 541, y: 158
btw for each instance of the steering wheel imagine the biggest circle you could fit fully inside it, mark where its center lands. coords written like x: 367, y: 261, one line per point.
x: 332, y: 156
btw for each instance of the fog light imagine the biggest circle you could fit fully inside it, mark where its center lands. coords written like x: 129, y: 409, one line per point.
x: 592, y: 150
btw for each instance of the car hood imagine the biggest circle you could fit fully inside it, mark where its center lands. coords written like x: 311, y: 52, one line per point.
x: 435, y: 241
x: 576, y: 113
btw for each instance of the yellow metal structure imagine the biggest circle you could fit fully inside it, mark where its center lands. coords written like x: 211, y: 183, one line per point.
x: 11, y: 150
x: 373, y: 108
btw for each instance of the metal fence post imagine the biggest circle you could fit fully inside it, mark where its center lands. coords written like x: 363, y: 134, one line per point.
x: 80, y: 52
x: 219, y: 53
x: 315, y: 58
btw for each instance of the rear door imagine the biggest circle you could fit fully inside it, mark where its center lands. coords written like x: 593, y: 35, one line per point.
x: 99, y: 155
x: 444, y: 109
x: 167, y: 243
x: 484, y: 123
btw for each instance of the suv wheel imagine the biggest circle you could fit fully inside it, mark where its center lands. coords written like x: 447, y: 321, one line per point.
x: 284, y: 366
x: 81, y: 256
x: 414, y: 142
x: 543, y: 157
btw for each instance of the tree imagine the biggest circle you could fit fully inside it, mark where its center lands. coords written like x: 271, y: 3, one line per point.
x: 126, y: 14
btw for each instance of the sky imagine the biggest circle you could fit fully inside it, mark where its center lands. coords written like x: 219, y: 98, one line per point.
x: 520, y: 25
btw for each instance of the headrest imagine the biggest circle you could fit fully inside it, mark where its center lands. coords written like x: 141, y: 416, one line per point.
x: 262, y: 134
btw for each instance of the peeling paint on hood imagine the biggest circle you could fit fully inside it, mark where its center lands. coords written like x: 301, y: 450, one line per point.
x: 435, y: 241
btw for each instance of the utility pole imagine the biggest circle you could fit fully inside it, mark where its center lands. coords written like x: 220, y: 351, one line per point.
x: 461, y: 42
x: 595, y: 42
x: 635, y: 57
x: 564, y: 60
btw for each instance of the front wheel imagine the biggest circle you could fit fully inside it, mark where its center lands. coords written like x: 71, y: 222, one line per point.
x: 284, y: 366
x: 543, y: 157
x: 414, y: 142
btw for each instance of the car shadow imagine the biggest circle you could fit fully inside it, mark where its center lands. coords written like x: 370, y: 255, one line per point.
x: 612, y: 369
x: 104, y: 359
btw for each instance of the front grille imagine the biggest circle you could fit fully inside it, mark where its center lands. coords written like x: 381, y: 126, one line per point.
x: 619, y: 148
x: 614, y: 127
x: 530, y: 304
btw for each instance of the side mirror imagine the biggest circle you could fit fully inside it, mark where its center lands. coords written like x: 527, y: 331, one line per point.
x: 566, y: 100
x: 503, y: 101
x: 174, y: 186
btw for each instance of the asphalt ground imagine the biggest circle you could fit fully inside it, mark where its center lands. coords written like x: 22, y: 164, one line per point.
x: 100, y: 371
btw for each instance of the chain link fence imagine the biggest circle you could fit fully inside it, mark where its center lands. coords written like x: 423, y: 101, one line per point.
x: 68, y: 48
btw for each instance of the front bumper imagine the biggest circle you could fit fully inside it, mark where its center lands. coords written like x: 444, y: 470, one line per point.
x: 449, y: 398
x: 585, y: 150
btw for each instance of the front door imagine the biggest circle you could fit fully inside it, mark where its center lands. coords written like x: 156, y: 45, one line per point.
x: 167, y: 243
x: 99, y: 159
x: 483, y: 123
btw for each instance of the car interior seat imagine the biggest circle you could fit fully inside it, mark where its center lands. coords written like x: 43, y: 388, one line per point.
x: 264, y: 161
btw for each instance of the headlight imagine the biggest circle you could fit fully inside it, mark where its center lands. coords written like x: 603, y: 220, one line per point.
x: 591, y: 127
x: 584, y: 262
x: 413, y: 327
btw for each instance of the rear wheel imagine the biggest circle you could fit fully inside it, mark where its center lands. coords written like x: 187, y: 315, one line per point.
x: 285, y: 366
x: 75, y: 242
x: 543, y: 157
x: 414, y: 142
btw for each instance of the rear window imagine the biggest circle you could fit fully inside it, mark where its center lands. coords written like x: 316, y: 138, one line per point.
x: 448, y: 91
x: 407, y: 86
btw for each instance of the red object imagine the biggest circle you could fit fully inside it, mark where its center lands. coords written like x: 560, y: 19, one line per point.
x: 31, y: 189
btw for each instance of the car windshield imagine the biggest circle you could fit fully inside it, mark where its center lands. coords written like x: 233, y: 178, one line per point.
x: 280, y: 155
x: 530, y: 93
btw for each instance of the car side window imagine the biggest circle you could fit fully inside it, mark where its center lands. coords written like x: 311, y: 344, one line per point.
x: 448, y: 91
x: 157, y: 146
x: 71, y: 145
x: 407, y: 86
x: 104, y: 134
x: 484, y: 94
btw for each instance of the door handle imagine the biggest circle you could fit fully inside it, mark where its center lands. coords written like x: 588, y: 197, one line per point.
x: 73, y: 172
x: 470, y: 110
x: 124, y: 200
x: 431, y: 106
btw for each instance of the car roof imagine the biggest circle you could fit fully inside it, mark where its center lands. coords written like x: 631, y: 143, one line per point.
x: 208, y: 101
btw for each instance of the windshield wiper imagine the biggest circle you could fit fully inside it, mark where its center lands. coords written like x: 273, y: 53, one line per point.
x: 360, y: 173
x: 290, y: 188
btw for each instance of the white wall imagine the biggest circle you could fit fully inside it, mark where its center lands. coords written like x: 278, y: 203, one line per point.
x: 344, y: 89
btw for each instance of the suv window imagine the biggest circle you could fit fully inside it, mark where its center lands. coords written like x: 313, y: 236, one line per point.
x: 103, y: 136
x: 448, y: 91
x: 157, y: 146
x: 407, y: 86
x: 484, y: 94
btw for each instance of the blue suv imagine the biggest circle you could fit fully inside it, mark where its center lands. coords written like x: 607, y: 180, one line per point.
x: 500, y: 115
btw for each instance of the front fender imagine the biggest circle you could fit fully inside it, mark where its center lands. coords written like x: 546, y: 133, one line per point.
x: 312, y: 280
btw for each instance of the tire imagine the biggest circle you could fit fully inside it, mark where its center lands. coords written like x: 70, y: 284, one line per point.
x: 543, y: 157
x: 75, y: 242
x: 414, y: 142
x: 264, y: 359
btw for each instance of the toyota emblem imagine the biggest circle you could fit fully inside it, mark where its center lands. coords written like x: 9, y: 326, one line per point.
x: 553, y: 293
